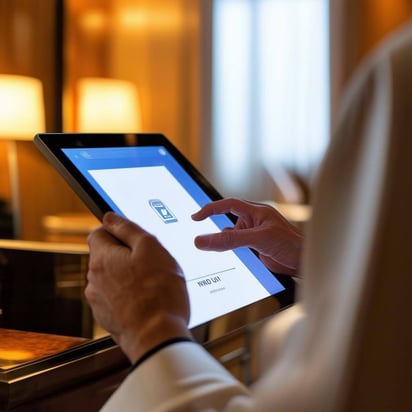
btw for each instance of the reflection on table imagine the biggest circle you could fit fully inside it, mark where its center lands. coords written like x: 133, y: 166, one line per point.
x: 18, y: 347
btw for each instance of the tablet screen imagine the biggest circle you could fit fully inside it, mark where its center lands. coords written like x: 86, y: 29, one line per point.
x: 149, y: 186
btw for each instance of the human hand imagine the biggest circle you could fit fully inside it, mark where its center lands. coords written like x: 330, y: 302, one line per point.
x: 260, y: 227
x: 135, y: 288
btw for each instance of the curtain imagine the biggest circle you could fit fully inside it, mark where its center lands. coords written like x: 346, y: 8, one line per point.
x: 270, y: 94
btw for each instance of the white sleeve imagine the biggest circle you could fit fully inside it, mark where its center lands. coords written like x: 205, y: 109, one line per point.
x: 181, y: 377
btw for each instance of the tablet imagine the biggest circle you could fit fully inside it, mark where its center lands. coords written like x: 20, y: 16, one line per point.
x: 147, y: 179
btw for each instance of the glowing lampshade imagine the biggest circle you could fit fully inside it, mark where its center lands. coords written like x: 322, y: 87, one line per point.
x: 108, y: 105
x: 21, y: 107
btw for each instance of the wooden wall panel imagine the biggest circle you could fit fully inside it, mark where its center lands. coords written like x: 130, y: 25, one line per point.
x: 155, y: 45
x: 28, y: 46
x: 357, y: 26
x: 378, y: 18
x: 4, y: 173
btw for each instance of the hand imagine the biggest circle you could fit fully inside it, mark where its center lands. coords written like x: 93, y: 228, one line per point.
x: 260, y: 227
x: 136, y: 289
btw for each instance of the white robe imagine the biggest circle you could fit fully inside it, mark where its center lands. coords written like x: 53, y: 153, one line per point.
x: 350, y: 348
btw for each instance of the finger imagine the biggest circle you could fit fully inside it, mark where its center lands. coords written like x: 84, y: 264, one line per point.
x: 226, y: 240
x: 99, y: 235
x: 121, y: 228
x: 230, y: 205
x: 99, y: 242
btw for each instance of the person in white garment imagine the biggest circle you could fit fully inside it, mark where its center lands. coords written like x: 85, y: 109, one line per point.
x: 348, y: 343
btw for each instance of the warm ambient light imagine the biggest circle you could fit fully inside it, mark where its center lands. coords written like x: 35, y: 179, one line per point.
x: 21, y: 117
x: 108, y: 105
x: 21, y: 107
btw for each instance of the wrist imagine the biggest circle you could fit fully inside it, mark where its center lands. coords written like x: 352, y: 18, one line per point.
x: 159, y: 347
x: 137, y: 342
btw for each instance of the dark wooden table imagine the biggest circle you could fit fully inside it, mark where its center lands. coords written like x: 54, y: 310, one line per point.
x: 42, y: 372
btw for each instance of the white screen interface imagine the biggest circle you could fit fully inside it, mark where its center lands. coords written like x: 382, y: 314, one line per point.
x: 148, y: 186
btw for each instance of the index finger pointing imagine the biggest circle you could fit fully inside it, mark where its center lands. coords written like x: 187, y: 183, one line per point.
x: 235, y: 206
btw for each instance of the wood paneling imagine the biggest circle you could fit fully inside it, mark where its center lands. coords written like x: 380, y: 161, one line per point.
x: 378, y: 18
x: 357, y: 26
x: 29, y: 33
x: 4, y: 173
x: 155, y: 45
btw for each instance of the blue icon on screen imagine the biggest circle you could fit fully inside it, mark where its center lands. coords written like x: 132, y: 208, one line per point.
x: 162, y: 211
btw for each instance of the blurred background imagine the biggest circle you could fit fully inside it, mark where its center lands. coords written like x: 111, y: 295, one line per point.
x: 248, y: 90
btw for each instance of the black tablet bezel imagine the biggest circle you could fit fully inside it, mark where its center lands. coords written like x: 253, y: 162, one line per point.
x: 51, y: 145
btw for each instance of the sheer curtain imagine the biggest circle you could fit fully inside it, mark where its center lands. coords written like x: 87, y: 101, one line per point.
x: 270, y: 92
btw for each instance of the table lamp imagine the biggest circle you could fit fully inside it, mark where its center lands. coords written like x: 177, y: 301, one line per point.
x: 21, y: 117
x: 21, y: 107
x: 107, y: 105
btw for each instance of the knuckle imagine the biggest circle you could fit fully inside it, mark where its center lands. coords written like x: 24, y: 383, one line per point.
x: 227, y: 237
x: 95, y: 264
x: 147, y: 242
